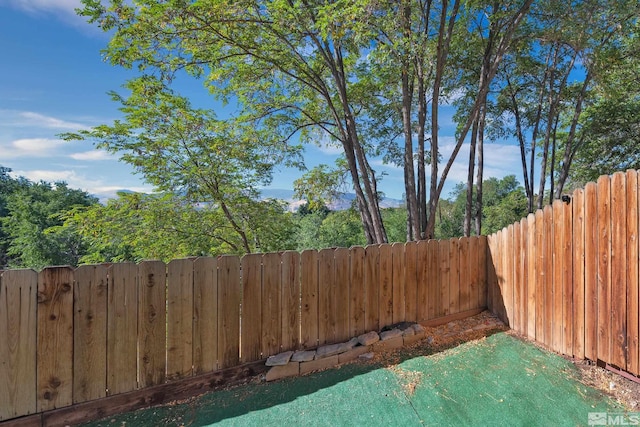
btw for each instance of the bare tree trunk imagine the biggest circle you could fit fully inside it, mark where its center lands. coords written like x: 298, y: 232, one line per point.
x: 422, y: 174
x: 480, y: 178
x: 491, y: 72
x: 413, y: 217
x: 571, y: 145
x: 468, y: 209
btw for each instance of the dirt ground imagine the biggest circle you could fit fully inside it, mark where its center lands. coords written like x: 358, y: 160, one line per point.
x: 623, y: 390
x: 473, y: 330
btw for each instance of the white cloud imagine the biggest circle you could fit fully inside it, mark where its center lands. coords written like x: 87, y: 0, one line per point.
x: 39, y: 6
x: 49, y: 122
x: 93, y: 155
x: 32, y: 147
x: 64, y: 10
x: 11, y: 119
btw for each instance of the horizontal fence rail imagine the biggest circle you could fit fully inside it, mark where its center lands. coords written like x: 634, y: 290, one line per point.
x: 71, y: 336
x: 567, y: 276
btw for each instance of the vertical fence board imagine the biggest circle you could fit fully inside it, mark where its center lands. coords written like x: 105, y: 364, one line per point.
x: 465, y: 274
x: 55, y: 338
x: 549, y: 275
x: 504, y: 278
x: 251, y: 330
x: 90, y: 333
x: 618, y: 335
x: 633, y: 350
x: 443, y: 277
x: 483, y: 250
x: 229, y: 288
x: 493, y: 266
x: 433, y: 292
x: 179, y: 318
x: 205, y: 312
x: 371, y: 280
x: 122, y: 321
x: 152, y: 318
x: 398, y: 284
x: 577, y: 204
x: 341, y: 292
x: 422, y: 274
x: 556, y: 283
x: 290, y: 300
x: 558, y: 276
x: 454, y: 276
x: 357, y: 311
x: 523, y: 277
x: 591, y: 272
x: 18, y: 317
x: 604, y: 267
x: 474, y: 272
x: 516, y: 255
x: 271, y: 306
x: 567, y: 279
x: 508, y: 260
x: 410, y: 278
x: 326, y: 296
x: 540, y: 277
x: 531, y: 276
x: 309, y: 299
x: 385, y: 295
x: 497, y: 290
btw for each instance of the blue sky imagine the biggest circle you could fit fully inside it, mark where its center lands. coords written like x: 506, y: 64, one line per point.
x: 53, y: 80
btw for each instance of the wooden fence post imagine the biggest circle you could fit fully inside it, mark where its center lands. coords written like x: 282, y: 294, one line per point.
x: 152, y: 322
x: 18, y: 319
x: 55, y: 338
x: 90, y: 333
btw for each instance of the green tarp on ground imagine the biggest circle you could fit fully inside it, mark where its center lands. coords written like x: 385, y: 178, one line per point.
x: 496, y: 381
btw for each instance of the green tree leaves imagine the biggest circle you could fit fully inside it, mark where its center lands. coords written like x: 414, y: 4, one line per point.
x: 31, y: 220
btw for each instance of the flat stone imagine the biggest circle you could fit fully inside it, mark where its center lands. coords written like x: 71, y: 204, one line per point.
x: 366, y: 356
x: 291, y: 369
x: 319, y: 364
x: 303, y: 356
x: 352, y: 354
x: 387, y: 335
x: 368, y: 338
x: 279, y: 359
x: 329, y: 350
x: 389, y: 344
x: 353, y: 342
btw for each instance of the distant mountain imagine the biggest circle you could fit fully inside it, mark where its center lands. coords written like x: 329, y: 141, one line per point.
x: 344, y: 202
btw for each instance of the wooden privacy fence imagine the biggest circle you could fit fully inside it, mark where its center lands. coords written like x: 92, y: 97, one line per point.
x: 567, y: 276
x: 70, y: 336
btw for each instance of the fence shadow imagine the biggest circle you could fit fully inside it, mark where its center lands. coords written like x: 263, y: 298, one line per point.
x: 255, y: 395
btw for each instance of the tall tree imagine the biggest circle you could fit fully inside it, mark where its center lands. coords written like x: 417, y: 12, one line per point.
x: 188, y: 152
x: 550, y: 80
x: 290, y: 67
